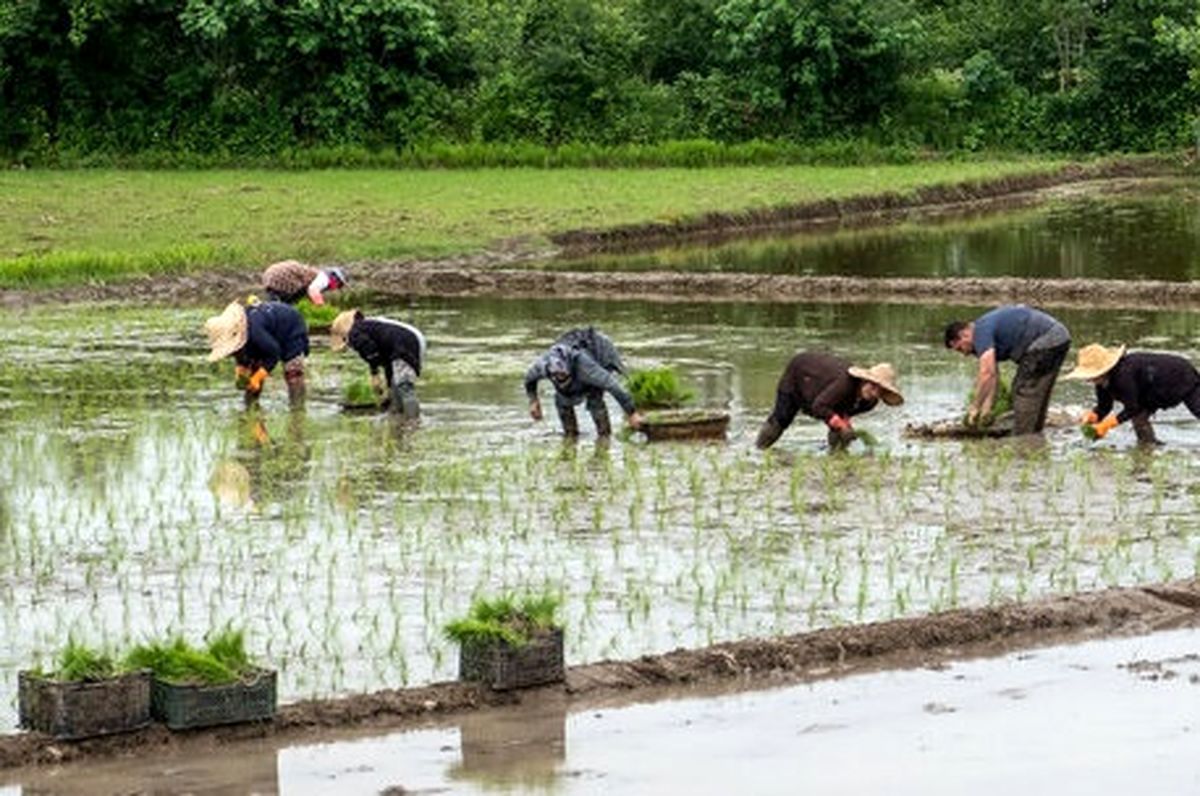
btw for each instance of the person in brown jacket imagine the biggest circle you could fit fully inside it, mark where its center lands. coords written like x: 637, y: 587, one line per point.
x: 830, y: 389
x: 290, y: 280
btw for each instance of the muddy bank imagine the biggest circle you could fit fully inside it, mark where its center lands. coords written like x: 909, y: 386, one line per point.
x: 751, y: 663
x: 673, y: 287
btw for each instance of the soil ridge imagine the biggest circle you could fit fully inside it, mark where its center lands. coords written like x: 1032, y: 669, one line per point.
x: 818, y: 654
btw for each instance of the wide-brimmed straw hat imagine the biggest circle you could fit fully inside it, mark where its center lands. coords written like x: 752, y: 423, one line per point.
x: 1095, y: 360
x: 226, y: 332
x: 883, y: 376
x: 339, y: 330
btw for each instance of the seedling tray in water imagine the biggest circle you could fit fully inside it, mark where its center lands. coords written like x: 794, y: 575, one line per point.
x: 185, y: 706
x: 1002, y: 427
x: 74, y: 709
x: 503, y: 666
x: 685, y: 424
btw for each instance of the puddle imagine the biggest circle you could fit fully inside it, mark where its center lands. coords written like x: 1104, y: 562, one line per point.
x: 981, y: 726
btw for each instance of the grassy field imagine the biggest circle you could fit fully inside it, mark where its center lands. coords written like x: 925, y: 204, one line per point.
x: 63, y: 227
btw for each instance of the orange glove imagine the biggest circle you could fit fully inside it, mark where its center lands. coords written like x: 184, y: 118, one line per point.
x: 241, y: 376
x: 260, y: 432
x: 1089, y: 418
x: 1104, y: 426
x: 839, y: 424
x: 255, y: 383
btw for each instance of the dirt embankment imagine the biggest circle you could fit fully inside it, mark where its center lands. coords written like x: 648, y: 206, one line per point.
x: 752, y: 663
x: 504, y: 271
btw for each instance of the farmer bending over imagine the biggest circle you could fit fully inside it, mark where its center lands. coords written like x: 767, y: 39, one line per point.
x: 830, y: 389
x: 1142, y: 382
x: 581, y: 365
x: 1035, y: 341
x: 397, y: 348
x: 289, y: 281
x: 259, y: 337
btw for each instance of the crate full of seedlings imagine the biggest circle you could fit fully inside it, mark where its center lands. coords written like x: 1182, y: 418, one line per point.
x: 662, y: 399
x: 509, y: 643
x: 204, y: 687
x: 89, y: 694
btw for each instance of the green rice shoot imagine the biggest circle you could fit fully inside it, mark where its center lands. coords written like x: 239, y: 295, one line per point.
x: 658, y: 388
x: 222, y: 661
x: 506, y: 619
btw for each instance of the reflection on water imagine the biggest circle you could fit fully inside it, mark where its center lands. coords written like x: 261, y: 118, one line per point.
x: 141, y: 498
x: 1154, y: 234
x: 513, y: 750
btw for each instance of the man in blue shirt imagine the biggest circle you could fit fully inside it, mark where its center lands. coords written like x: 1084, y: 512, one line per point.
x: 1035, y: 341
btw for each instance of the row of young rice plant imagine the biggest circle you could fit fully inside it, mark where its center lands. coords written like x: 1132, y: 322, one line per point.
x: 138, y: 501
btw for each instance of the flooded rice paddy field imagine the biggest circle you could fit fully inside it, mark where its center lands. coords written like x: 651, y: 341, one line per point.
x: 139, y: 500
x: 1098, y: 230
x: 949, y: 729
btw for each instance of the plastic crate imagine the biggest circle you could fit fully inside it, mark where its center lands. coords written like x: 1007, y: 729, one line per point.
x: 503, y: 666
x: 73, y: 709
x: 185, y: 706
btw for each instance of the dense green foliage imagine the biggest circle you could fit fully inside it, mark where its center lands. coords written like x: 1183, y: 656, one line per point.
x: 657, y: 388
x: 1002, y: 404
x: 222, y: 660
x: 506, y: 618
x: 80, y: 662
x: 225, y: 79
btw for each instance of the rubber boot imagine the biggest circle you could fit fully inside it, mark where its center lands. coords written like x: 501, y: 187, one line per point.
x: 295, y: 388
x: 770, y: 431
x: 570, y: 424
x: 404, y: 400
x: 1145, y: 431
x: 599, y: 414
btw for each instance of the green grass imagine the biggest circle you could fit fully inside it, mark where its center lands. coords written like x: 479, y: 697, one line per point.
x: 505, y: 618
x: 61, y: 227
x: 359, y: 393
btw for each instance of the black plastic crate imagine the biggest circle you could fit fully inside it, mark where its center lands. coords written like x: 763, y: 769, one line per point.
x: 73, y: 709
x: 183, y: 707
x: 503, y: 666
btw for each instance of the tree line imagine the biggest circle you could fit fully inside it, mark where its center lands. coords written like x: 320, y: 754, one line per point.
x: 263, y: 76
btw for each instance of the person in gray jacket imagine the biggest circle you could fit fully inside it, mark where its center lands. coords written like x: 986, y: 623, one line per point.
x: 581, y: 366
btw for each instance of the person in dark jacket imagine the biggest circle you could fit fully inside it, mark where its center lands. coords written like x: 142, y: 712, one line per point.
x: 830, y: 389
x: 1035, y: 341
x: 1143, y: 382
x: 396, y: 348
x: 580, y: 365
x: 259, y: 337
x: 290, y: 280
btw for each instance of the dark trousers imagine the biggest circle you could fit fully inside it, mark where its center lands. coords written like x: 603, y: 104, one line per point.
x: 1145, y: 430
x: 1037, y: 371
x: 596, y: 407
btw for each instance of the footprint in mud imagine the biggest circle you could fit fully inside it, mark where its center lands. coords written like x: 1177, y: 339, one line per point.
x: 937, y: 708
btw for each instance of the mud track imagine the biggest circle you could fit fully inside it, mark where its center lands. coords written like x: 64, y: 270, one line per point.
x: 510, y: 269
x: 821, y: 654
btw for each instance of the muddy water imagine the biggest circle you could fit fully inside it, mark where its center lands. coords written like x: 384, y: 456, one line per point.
x: 1084, y: 231
x: 1112, y: 716
x: 139, y: 498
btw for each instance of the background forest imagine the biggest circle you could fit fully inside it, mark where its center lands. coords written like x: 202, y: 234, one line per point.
x: 265, y: 77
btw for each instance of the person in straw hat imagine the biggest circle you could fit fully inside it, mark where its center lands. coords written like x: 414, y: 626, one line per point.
x: 396, y: 348
x: 830, y: 389
x: 289, y: 281
x: 1142, y: 382
x: 259, y: 337
x: 1035, y: 341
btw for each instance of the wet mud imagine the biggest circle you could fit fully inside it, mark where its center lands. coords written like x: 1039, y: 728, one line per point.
x: 832, y: 652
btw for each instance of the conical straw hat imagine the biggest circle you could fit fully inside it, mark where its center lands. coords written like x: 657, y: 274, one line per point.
x: 1095, y: 360
x: 884, y: 376
x: 226, y: 332
x: 339, y: 330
